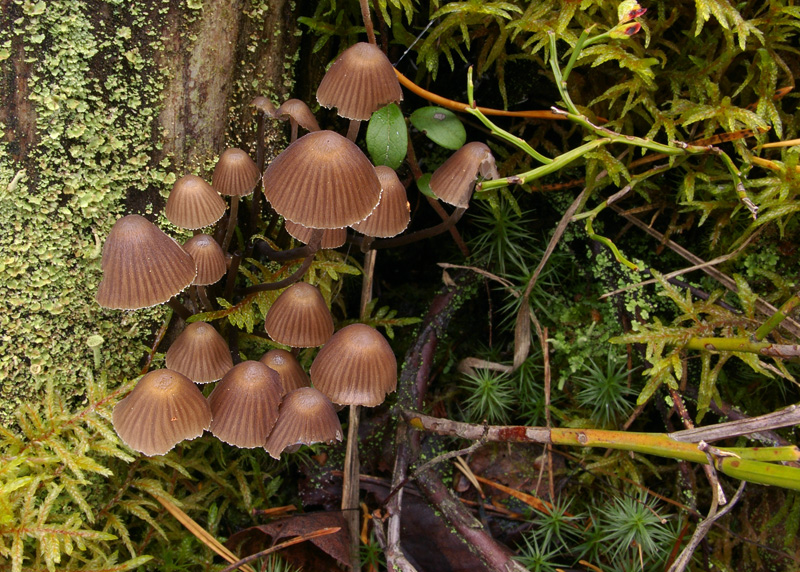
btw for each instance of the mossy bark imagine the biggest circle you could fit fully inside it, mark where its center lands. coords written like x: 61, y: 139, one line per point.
x: 104, y: 105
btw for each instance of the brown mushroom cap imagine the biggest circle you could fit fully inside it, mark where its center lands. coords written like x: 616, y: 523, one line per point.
x: 306, y: 417
x: 245, y: 403
x: 163, y: 409
x: 236, y: 174
x: 208, y: 257
x: 331, y: 237
x: 200, y: 353
x: 393, y: 213
x: 322, y: 180
x: 454, y: 180
x: 297, y: 109
x: 263, y: 105
x: 299, y: 317
x: 142, y: 266
x: 292, y: 374
x: 193, y: 203
x: 359, y: 82
x: 356, y: 367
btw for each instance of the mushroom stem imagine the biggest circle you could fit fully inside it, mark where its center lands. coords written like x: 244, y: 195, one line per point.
x: 368, y: 27
x: 352, y: 129
x: 231, y: 223
x: 350, y: 487
x: 366, y: 283
x: 414, y: 236
x: 294, y: 125
x: 182, y: 311
x: 313, y: 246
x: 201, y: 293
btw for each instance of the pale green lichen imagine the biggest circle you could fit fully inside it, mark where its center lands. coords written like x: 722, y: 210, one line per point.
x: 92, y: 149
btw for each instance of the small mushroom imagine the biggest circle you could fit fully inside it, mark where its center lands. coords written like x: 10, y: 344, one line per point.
x: 163, y: 409
x: 235, y: 175
x: 292, y: 374
x: 356, y: 367
x: 208, y: 257
x: 299, y: 317
x: 358, y: 83
x: 393, y: 213
x: 298, y: 114
x: 142, y: 266
x: 306, y: 417
x: 454, y: 181
x: 245, y: 404
x: 193, y: 203
x: 200, y: 353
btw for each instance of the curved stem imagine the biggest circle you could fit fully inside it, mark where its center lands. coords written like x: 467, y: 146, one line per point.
x: 464, y: 108
x: 415, y: 236
x: 367, y: 21
x: 181, y: 310
x: 231, y: 223
x: 313, y: 246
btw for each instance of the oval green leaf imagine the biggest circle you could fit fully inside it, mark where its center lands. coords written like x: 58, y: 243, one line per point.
x: 387, y: 137
x: 441, y: 126
x: 424, y: 185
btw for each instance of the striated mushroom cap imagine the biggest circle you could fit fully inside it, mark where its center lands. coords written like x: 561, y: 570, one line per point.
x: 142, y: 266
x: 454, y: 180
x: 306, y: 417
x: 359, y: 82
x: 208, y: 257
x: 163, y: 409
x: 322, y: 180
x: 245, y: 404
x: 193, y: 203
x: 263, y: 105
x: 299, y: 317
x: 298, y: 111
x: 236, y: 174
x: 331, y: 237
x: 200, y: 353
x: 292, y: 374
x: 356, y: 367
x: 393, y: 213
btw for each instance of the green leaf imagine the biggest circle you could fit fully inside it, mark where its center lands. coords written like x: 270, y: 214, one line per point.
x: 441, y: 126
x: 387, y: 137
x: 424, y: 185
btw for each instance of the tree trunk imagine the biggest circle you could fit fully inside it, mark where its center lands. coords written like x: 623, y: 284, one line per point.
x: 104, y: 106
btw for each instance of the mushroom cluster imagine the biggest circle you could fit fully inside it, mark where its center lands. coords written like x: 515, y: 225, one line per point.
x: 271, y: 403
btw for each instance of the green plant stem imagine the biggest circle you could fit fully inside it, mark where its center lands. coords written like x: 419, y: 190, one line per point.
x: 502, y: 133
x: 778, y: 317
x: 555, y: 165
x: 727, y: 345
x: 658, y: 444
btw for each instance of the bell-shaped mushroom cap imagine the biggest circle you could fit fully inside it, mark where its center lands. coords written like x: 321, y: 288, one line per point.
x: 292, y: 374
x: 244, y: 405
x: 298, y: 111
x: 200, y: 353
x: 359, y: 82
x: 193, y: 203
x: 306, y: 417
x: 263, y: 105
x: 393, y: 213
x: 322, y: 180
x: 331, y: 237
x: 163, y: 409
x: 454, y: 180
x: 236, y: 174
x: 208, y: 257
x: 356, y: 367
x: 299, y: 317
x: 142, y: 266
